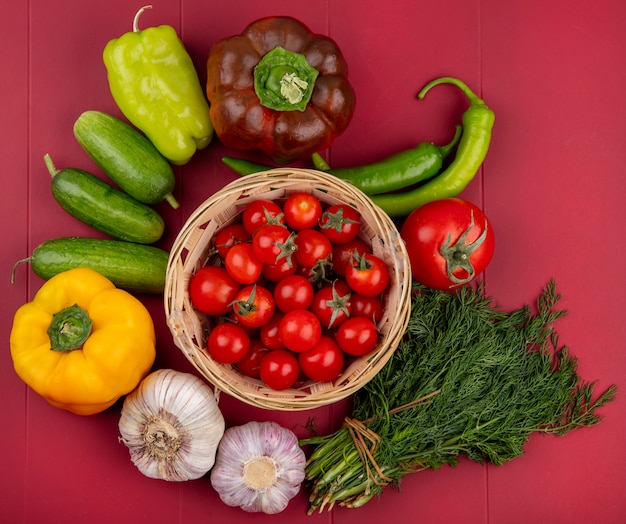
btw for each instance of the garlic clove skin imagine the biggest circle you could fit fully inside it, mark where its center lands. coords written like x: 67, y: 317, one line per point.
x: 172, y: 426
x: 259, y: 467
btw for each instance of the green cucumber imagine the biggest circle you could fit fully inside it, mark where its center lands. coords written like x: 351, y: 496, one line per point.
x: 97, y: 204
x: 134, y: 267
x: 126, y: 156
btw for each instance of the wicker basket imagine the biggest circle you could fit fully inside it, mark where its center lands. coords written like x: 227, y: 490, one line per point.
x: 190, y: 250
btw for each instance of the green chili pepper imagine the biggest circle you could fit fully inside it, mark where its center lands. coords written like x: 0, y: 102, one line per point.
x: 398, y: 171
x: 154, y: 83
x: 245, y: 167
x: 478, y: 122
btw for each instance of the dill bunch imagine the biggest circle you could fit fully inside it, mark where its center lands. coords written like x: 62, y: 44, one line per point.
x: 468, y: 380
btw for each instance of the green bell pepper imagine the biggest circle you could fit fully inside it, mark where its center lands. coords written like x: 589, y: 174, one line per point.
x: 154, y: 83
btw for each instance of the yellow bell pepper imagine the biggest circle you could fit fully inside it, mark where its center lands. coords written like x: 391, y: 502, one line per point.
x: 82, y: 343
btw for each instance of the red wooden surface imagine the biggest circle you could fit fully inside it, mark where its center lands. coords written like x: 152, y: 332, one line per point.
x: 553, y: 186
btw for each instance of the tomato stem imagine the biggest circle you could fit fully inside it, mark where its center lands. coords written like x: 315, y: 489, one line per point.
x: 245, y: 307
x: 457, y: 255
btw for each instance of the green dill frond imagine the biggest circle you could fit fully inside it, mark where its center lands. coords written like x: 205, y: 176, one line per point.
x: 489, y: 379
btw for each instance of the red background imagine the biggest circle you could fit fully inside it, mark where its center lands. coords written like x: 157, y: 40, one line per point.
x: 553, y: 186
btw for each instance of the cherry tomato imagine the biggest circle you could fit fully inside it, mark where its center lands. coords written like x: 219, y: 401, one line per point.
x: 340, y: 223
x: 357, y: 336
x: 253, y: 306
x: 332, y: 304
x: 367, y: 275
x: 258, y: 213
x: 299, y: 330
x: 323, y: 362
x: 250, y: 364
x: 274, y: 244
x: 293, y: 292
x: 269, y: 332
x: 343, y: 252
x: 228, y: 343
x: 449, y: 242
x: 312, y: 246
x: 228, y: 236
x: 279, y: 369
x: 302, y: 211
x: 242, y: 265
x: 276, y: 272
x: 369, y: 307
x: 212, y: 290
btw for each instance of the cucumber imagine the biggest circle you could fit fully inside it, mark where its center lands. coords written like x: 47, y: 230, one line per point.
x: 126, y: 156
x: 97, y: 204
x: 134, y: 267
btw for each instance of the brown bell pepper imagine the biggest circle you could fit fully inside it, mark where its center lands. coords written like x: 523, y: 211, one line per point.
x: 279, y: 88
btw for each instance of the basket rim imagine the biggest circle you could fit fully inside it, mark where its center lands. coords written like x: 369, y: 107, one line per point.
x: 189, y: 245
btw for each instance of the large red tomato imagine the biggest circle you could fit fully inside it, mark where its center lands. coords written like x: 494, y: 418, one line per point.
x: 449, y: 242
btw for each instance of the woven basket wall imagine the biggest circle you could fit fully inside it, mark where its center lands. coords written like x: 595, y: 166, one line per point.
x: 190, y: 328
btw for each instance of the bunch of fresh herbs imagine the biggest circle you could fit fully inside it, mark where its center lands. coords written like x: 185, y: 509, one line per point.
x: 468, y: 380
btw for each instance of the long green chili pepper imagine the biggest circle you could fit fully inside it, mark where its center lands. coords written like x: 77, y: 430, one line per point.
x: 397, y: 171
x: 478, y: 122
x: 244, y: 167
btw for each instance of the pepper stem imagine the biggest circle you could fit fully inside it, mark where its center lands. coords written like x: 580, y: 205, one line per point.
x: 473, y: 98
x: 284, y: 80
x: 69, y: 329
x: 136, y: 19
x: 292, y: 87
x: 445, y: 150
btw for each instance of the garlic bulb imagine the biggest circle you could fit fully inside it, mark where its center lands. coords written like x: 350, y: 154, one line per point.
x: 172, y: 426
x: 259, y: 467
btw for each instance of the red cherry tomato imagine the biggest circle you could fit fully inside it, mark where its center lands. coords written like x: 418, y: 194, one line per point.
x: 253, y: 332
x: 302, y: 211
x: 229, y: 236
x: 323, y: 362
x: 332, y: 304
x: 269, y: 332
x: 250, y: 364
x: 293, y: 292
x: 276, y: 272
x: 242, y: 265
x: 212, y: 290
x: 253, y: 306
x: 279, y: 369
x: 367, y: 275
x: 228, y: 343
x: 357, y: 336
x: 274, y: 244
x: 258, y: 213
x: 369, y: 307
x: 343, y: 252
x: 299, y: 330
x: 312, y: 247
x: 340, y: 223
x: 449, y: 242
